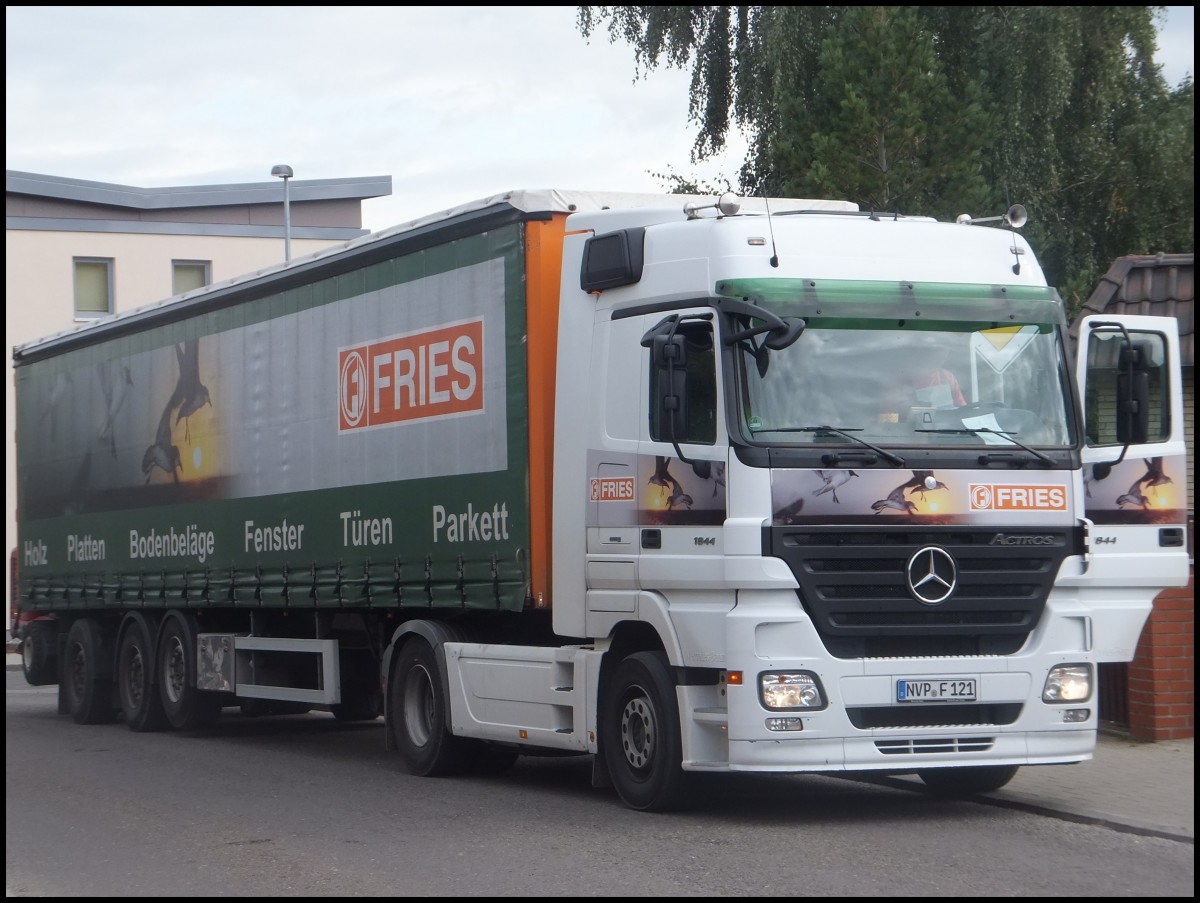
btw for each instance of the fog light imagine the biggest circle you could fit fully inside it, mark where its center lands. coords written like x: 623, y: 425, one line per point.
x: 790, y: 690
x: 785, y: 724
x: 1076, y: 716
x: 1068, y: 683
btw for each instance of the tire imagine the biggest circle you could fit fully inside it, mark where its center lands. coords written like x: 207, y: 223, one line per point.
x: 136, y: 691
x: 185, y: 707
x: 967, y: 781
x: 493, y: 759
x: 359, y: 706
x: 262, y: 708
x: 87, y: 674
x: 640, y: 734
x: 39, y: 653
x: 361, y: 697
x: 420, y: 716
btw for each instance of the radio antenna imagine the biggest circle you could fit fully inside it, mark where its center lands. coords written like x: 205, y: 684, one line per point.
x: 771, y: 230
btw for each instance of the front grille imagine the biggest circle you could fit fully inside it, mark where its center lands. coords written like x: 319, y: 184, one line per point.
x: 934, y: 745
x: 853, y: 586
x: 931, y: 618
x: 992, y: 714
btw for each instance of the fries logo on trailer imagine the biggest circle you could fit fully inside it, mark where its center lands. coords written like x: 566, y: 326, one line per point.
x: 416, y: 376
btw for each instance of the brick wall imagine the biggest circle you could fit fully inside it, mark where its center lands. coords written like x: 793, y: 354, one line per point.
x: 1162, y: 675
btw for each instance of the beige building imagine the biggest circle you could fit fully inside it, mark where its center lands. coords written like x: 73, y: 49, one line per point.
x: 78, y: 250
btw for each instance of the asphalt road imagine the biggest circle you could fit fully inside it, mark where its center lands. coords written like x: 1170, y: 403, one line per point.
x: 305, y: 805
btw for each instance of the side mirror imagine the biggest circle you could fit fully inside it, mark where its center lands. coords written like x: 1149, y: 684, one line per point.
x: 670, y: 358
x: 1133, y: 395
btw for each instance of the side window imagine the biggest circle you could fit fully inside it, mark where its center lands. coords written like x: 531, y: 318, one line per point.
x: 700, y: 370
x: 187, y: 275
x: 93, y: 287
x: 1108, y: 368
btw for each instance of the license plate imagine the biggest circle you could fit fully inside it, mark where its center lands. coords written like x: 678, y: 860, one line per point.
x: 935, y: 689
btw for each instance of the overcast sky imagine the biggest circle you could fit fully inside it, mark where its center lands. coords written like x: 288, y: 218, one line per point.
x: 454, y: 103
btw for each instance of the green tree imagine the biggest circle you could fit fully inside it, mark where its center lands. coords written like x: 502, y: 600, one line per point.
x: 944, y: 110
x: 892, y: 135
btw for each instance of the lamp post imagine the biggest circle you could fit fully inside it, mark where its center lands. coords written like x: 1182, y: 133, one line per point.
x: 283, y: 171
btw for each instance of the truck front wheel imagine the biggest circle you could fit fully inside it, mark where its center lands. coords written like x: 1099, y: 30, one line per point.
x: 186, y: 708
x: 967, y: 781
x: 421, y: 715
x: 87, y: 681
x: 640, y: 733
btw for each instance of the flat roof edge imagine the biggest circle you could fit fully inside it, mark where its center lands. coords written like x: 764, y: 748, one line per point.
x: 182, y: 196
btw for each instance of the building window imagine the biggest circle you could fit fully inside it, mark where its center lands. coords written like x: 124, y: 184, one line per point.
x: 187, y: 275
x: 93, y: 287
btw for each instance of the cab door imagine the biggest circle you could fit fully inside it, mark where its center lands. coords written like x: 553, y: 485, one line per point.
x: 1135, y: 473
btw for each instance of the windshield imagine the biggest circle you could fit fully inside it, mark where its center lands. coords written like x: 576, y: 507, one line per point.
x: 888, y: 382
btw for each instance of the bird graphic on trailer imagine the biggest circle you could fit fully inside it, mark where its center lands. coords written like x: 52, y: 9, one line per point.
x: 115, y: 393
x: 194, y: 394
x: 188, y: 396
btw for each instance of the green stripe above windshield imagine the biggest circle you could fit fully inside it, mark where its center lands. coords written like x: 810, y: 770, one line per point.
x: 945, y: 301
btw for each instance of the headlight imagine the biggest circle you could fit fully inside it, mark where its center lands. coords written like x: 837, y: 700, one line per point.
x: 790, y: 690
x: 1068, y: 683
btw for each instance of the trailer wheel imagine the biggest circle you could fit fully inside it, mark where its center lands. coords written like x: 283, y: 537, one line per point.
x: 186, y: 708
x: 136, y: 691
x: 640, y: 733
x: 967, y: 781
x: 88, y: 684
x: 39, y: 653
x: 420, y: 716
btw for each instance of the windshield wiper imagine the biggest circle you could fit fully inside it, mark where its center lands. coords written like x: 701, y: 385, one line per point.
x: 989, y: 457
x: 831, y: 459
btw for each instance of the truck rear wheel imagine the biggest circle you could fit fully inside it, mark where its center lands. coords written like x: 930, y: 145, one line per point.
x: 640, y: 733
x: 87, y: 679
x: 138, y: 695
x: 39, y: 653
x: 420, y: 716
x: 969, y: 780
x: 186, y: 708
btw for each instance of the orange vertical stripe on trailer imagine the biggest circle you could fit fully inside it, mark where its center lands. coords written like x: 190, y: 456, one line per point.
x: 543, y: 270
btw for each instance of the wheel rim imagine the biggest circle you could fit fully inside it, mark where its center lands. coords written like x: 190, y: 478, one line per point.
x: 418, y: 706
x: 27, y: 653
x: 135, y: 678
x: 174, y: 670
x: 639, y: 732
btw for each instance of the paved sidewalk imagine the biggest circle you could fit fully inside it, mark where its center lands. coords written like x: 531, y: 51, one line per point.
x: 1143, y: 788
x: 1149, y: 788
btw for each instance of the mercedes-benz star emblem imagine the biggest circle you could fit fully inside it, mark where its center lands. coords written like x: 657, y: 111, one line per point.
x: 932, y: 575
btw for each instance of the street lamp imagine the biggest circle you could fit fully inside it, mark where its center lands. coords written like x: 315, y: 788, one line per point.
x: 283, y: 171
